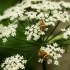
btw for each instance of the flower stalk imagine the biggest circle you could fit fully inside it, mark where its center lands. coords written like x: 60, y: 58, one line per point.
x: 44, y: 65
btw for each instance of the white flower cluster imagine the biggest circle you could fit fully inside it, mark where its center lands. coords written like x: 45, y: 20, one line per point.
x: 12, y: 13
x: 49, y: 11
x: 7, y: 31
x: 14, y: 63
x: 66, y: 33
x: 61, y: 16
x: 34, y: 32
x: 54, y: 51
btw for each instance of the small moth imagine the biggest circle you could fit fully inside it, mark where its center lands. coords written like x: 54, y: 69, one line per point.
x: 43, y: 54
x: 42, y: 25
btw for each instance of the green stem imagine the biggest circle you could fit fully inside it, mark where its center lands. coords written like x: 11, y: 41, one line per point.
x: 44, y: 65
x: 17, y: 48
x: 18, y: 39
x: 64, y: 41
x: 29, y: 21
x: 57, y: 34
x: 15, y: 42
x: 20, y: 31
x: 55, y: 39
x: 31, y: 56
x: 12, y: 48
x: 20, y: 23
x: 24, y: 41
x: 54, y: 36
x: 53, y: 30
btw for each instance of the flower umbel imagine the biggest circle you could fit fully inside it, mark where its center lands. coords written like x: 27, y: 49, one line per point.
x: 35, y: 31
x: 7, y: 31
x: 14, y: 63
x: 50, y: 53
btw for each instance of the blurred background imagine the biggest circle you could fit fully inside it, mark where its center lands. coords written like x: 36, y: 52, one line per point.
x: 32, y: 64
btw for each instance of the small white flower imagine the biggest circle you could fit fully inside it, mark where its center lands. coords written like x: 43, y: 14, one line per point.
x: 56, y: 62
x: 49, y: 61
x: 31, y: 15
x: 63, y: 29
x: 40, y: 60
x: 4, y: 40
x: 55, y: 57
x: 62, y: 51
x: 26, y: 32
x: 66, y: 33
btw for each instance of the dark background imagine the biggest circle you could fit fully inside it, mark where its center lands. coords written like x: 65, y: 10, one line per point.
x: 4, y: 4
